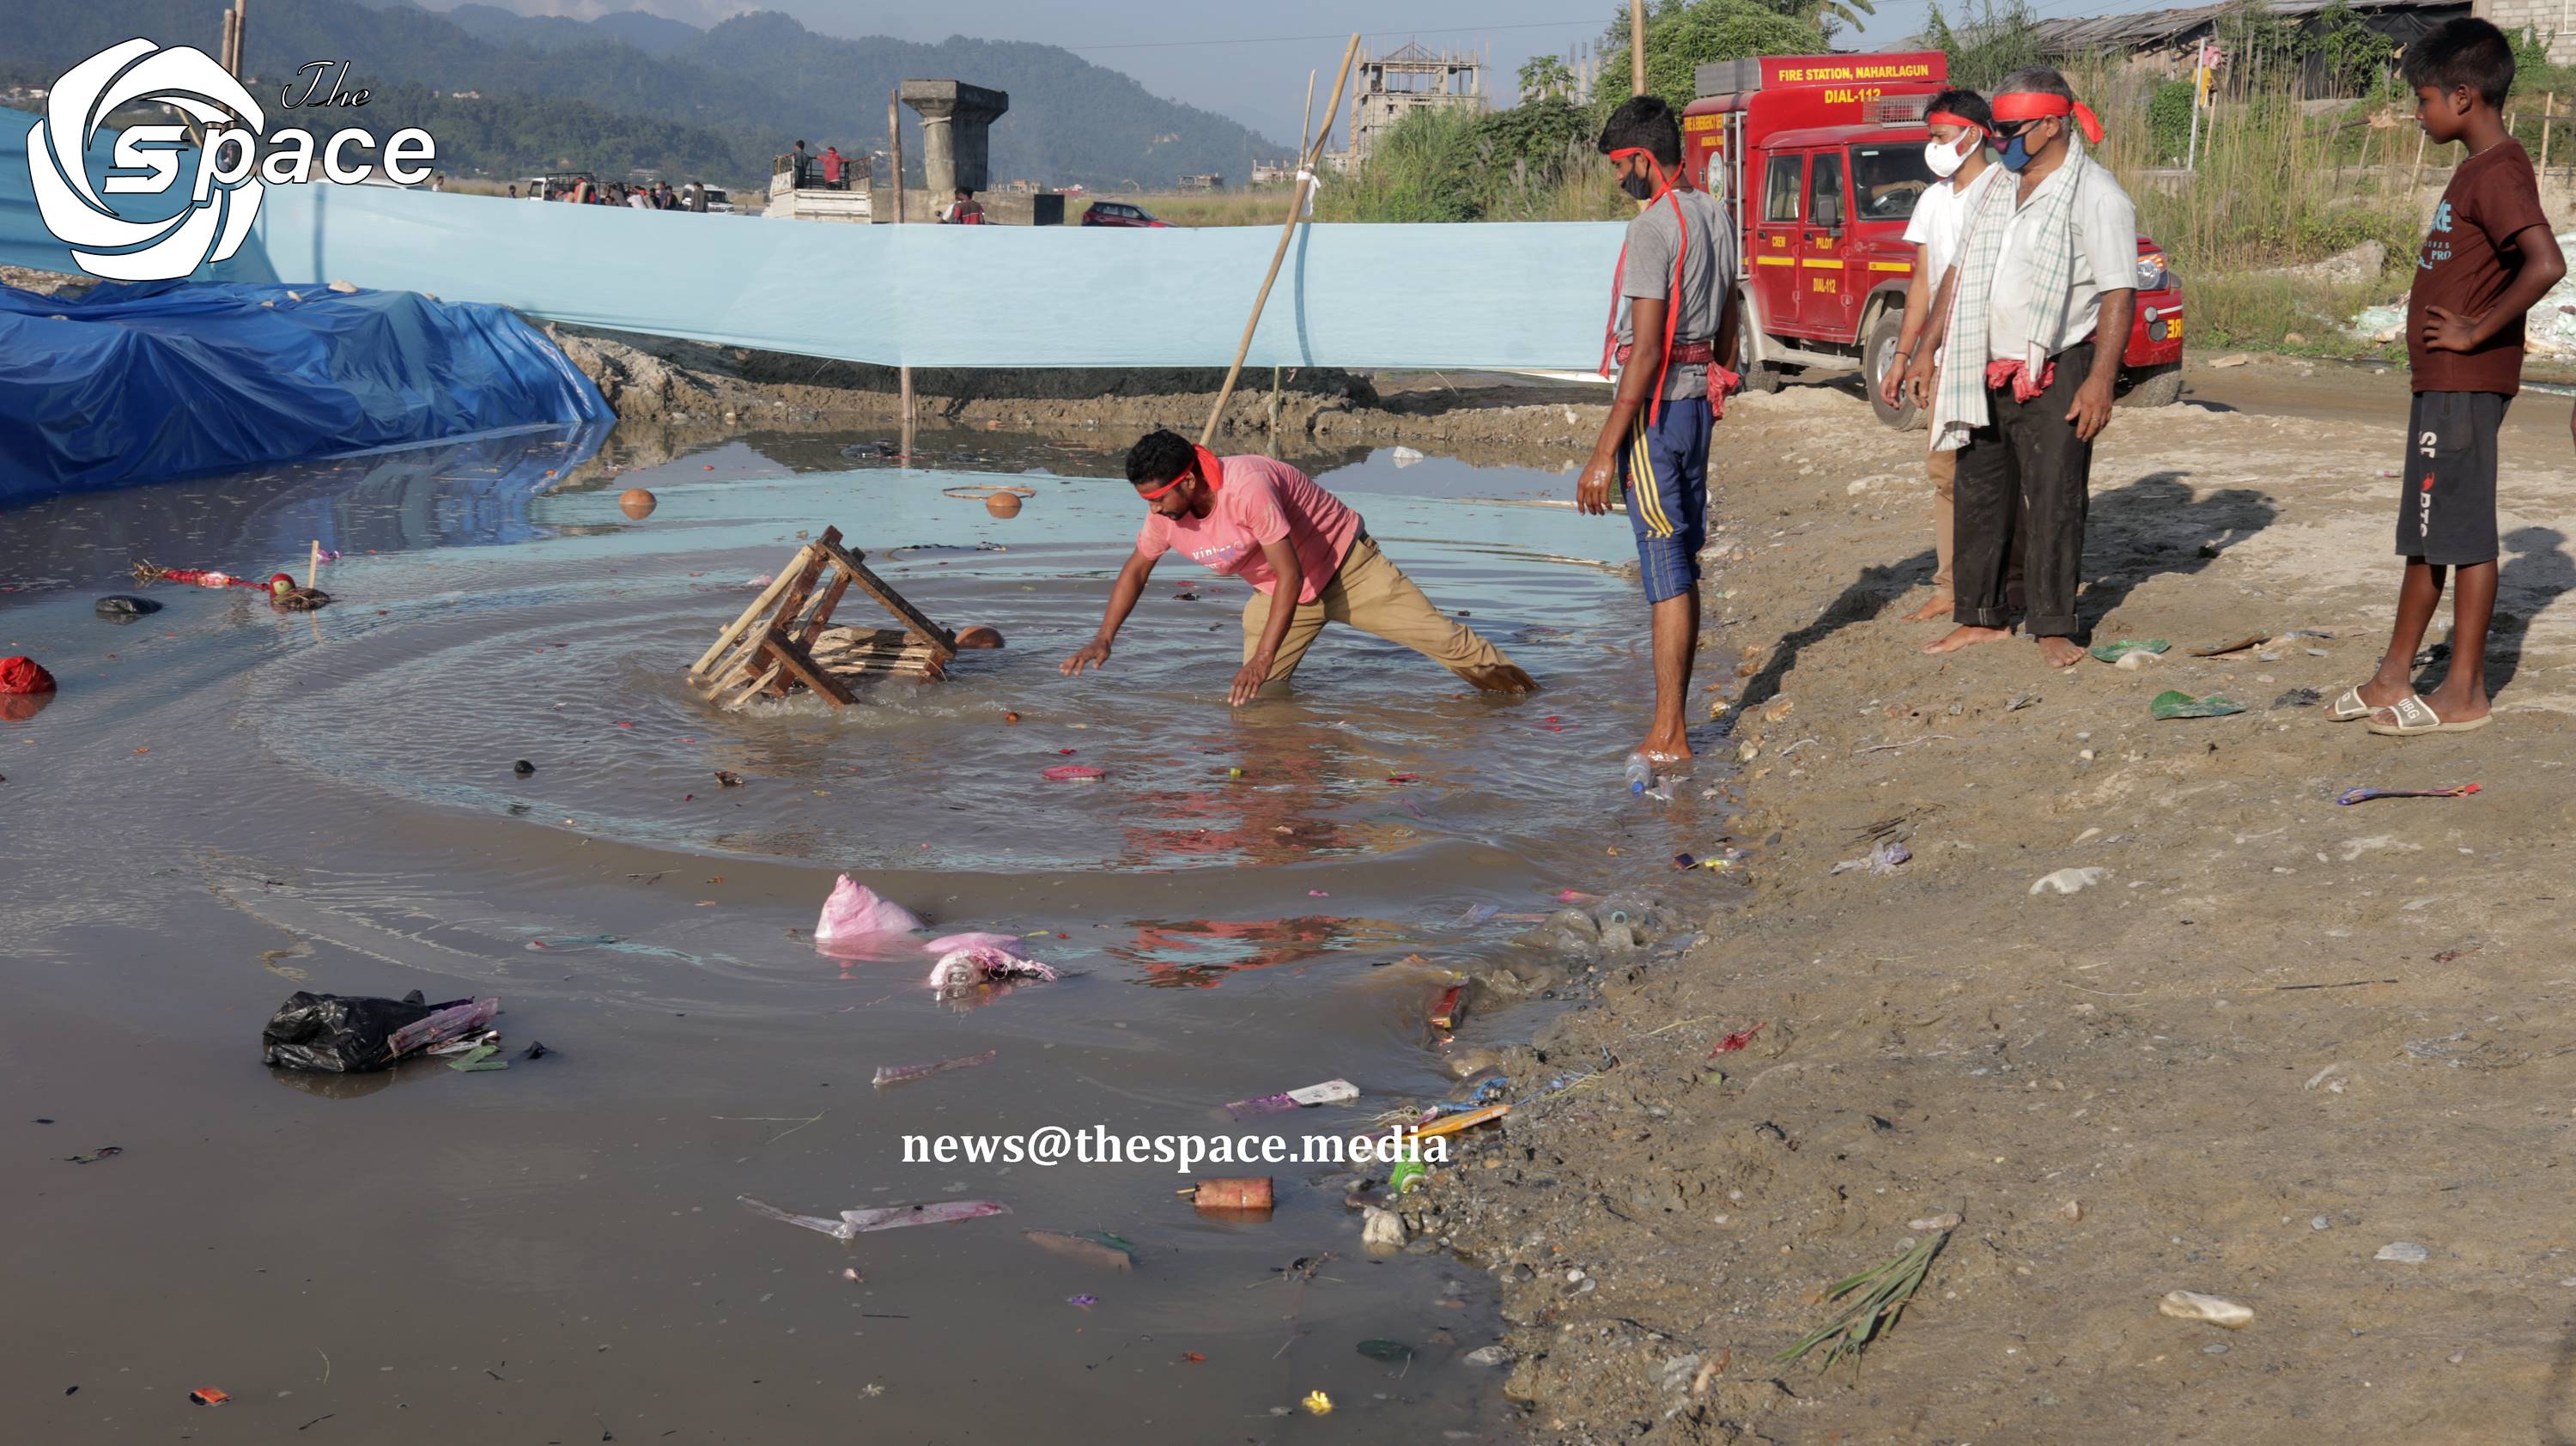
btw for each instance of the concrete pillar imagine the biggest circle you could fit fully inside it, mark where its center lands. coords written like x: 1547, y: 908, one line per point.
x: 956, y: 127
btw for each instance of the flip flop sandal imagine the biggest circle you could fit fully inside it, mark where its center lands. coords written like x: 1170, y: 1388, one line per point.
x: 2415, y: 717
x: 2349, y: 708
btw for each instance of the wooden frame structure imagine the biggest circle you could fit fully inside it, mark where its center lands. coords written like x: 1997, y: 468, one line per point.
x: 785, y: 638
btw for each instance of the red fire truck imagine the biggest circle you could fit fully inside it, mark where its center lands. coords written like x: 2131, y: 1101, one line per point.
x: 1823, y: 157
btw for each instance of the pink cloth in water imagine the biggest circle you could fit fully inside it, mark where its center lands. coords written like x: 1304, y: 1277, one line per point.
x: 854, y: 914
x: 1262, y: 501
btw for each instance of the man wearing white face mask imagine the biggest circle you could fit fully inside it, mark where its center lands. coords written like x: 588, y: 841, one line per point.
x: 1958, y: 155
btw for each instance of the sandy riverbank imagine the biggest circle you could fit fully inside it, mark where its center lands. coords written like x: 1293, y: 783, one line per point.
x: 2276, y: 1037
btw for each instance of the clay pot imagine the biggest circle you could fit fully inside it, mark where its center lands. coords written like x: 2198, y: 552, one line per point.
x: 637, y: 503
x: 1003, y: 504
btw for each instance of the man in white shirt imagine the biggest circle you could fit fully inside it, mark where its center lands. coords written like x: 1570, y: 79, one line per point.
x: 1963, y: 166
x: 2041, y: 297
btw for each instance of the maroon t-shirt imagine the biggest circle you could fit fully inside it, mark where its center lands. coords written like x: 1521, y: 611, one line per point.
x: 2465, y: 265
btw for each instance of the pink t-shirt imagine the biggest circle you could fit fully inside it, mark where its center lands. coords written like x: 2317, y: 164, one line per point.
x: 1263, y: 500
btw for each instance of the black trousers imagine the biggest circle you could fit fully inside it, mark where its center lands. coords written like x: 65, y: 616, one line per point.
x: 2025, y: 470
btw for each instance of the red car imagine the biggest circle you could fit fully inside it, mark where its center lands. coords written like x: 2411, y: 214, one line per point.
x: 1119, y: 213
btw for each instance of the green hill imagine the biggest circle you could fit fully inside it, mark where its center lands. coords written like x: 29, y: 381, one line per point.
x: 730, y: 97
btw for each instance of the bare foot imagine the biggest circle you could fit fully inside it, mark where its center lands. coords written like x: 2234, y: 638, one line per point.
x: 2060, y: 652
x: 2454, y: 705
x: 1966, y: 637
x: 1939, y: 606
x: 1662, y: 749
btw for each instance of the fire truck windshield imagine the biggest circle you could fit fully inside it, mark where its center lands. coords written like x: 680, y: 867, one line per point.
x: 1887, y: 180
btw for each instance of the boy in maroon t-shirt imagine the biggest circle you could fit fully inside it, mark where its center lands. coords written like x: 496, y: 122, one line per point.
x: 2487, y: 259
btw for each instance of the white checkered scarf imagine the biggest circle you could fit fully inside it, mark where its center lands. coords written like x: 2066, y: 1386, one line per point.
x: 1959, y: 406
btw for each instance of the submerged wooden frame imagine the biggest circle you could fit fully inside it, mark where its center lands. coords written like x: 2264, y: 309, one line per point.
x: 785, y: 639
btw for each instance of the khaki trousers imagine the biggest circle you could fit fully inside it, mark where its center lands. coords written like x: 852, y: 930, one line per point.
x: 1373, y: 595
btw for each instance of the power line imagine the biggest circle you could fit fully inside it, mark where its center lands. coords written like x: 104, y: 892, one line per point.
x: 1593, y: 23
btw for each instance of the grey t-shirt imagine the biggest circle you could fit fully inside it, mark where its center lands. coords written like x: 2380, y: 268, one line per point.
x: 1708, y: 276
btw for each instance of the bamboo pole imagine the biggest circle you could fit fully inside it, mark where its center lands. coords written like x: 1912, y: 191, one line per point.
x: 777, y: 586
x: 894, y: 151
x: 1636, y: 47
x: 1313, y: 157
x: 2548, y: 113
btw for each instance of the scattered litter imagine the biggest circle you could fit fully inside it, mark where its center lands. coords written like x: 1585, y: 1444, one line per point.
x: 2299, y: 698
x: 121, y: 608
x: 1455, y: 1123
x: 1881, y: 860
x: 2404, y: 1252
x: 1477, y: 914
x: 2070, y: 881
x: 854, y: 917
x: 2323, y: 1076
x: 2365, y: 795
x: 1316, y: 1402
x: 104, y: 1152
x: 209, y: 1396
x: 1084, y: 1301
x: 2019, y: 701
x: 1073, y: 773
x: 1330, y: 1092
x: 854, y: 1223
x: 1884, y: 1291
x: 1244, y: 1192
x: 729, y: 780
x: 523, y: 768
x: 1403, y: 1175
x: 2238, y: 646
x: 2192, y: 1305
x: 1946, y: 1220
x: 1380, y: 1229
x: 962, y: 969
x: 906, y: 1073
x: 24, y: 675
x: 1449, y: 1008
x: 1908, y: 743
x: 338, y: 1034
x: 2115, y: 651
x: 1739, y: 1039
x: 1490, y: 1357
x: 479, y: 1059
x: 536, y: 1050
x: 2236, y: 360
x: 1391, y: 1352
x: 1095, y: 1247
x: 1404, y: 456
x: 2174, y: 703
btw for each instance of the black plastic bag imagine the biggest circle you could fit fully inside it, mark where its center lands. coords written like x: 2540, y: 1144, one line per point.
x: 340, y: 1035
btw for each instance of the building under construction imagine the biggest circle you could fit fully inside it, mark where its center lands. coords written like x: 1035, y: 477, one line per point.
x: 1394, y: 86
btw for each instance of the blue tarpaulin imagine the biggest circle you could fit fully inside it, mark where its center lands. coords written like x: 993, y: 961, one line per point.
x: 149, y: 381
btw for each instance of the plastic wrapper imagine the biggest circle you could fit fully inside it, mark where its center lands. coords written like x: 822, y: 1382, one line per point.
x: 856, y: 923
x: 966, y: 968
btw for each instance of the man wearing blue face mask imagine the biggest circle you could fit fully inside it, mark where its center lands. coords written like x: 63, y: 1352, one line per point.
x: 2042, y: 294
x: 1964, y: 165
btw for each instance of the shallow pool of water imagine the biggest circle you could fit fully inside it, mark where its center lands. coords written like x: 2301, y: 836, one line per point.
x: 225, y: 803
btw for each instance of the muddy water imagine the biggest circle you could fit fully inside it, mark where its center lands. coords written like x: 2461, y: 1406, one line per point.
x: 226, y: 803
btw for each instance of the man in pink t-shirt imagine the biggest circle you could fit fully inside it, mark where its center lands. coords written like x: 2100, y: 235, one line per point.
x: 1269, y: 524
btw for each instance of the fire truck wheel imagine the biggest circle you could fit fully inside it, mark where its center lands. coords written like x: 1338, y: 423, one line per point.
x: 2153, y: 387
x: 1756, y: 378
x: 1878, y: 353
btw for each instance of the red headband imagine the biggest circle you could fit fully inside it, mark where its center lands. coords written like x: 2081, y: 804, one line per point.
x: 2021, y: 105
x: 1209, y: 469
x: 1951, y: 118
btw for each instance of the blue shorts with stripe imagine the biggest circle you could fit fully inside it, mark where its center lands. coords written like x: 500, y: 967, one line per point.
x: 1664, y: 470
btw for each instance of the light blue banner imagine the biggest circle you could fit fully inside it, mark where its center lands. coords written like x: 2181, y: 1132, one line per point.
x: 1523, y: 295
x: 1517, y: 295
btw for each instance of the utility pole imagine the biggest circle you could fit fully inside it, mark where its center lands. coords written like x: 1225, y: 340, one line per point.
x: 1636, y: 47
x: 894, y: 152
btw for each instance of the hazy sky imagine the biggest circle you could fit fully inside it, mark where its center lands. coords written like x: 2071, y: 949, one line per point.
x: 1257, y: 74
